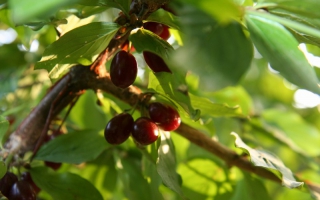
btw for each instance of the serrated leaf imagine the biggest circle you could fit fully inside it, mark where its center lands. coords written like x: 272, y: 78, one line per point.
x: 214, y: 109
x: 164, y: 17
x: 84, y: 42
x: 27, y: 10
x: 264, y: 159
x: 3, y: 169
x: 145, y: 40
x: 64, y: 186
x: 166, y: 164
x: 219, y: 54
x: 291, y: 128
x: 168, y: 85
x: 4, y: 125
x: 75, y: 147
x: 280, y: 48
x: 123, y: 5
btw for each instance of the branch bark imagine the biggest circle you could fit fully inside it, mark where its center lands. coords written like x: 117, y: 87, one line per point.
x: 95, y: 77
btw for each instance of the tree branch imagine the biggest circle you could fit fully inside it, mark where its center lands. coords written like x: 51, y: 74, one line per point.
x: 95, y: 77
x: 132, y: 96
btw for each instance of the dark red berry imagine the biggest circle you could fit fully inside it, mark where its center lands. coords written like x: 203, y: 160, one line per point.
x: 154, y: 27
x: 119, y: 128
x: 22, y: 190
x: 145, y: 131
x: 123, y: 69
x: 165, y: 34
x: 166, y: 117
x: 53, y: 165
x: 25, y: 176
x: 155, y: 62
x: 6, y: 183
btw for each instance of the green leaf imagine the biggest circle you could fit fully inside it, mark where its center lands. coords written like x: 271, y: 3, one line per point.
x: 164, y: 17
x: 204, y: 179
x: 136, y: 187
x: 3, y: 169
x: 150, y: 171
x: 233, y: 96
x: 315, y: 50
x: 166, y: 164
x: 123, y: 5
x: 101, y: 173
x: 298, y: 27
x: 222, y: 10
x: 4, y: 125
x: 307, y: 8
x: 255, y: 186
x: 214, y: 109
x: 65, y: 185
x: 27, y: 10
x: 82, y: 43
x: 87, y: 11
x: 291, y: 128
x: 280, y: 48
x: 219, y: 54
x: 264, y: 159
x: 88, y: 120
x: 75, y: 147
x: 168, y: 85
x: 145, y: 40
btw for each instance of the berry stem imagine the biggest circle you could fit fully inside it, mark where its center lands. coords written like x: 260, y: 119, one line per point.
x: 129, y: 46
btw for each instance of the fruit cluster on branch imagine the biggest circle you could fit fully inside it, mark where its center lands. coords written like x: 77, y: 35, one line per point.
x: 123, y: 72
x: 144, y: 130
x: 16, y: 189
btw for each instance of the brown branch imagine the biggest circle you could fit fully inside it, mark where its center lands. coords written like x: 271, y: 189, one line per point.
x: 132, y: 95
x: 96, y: 78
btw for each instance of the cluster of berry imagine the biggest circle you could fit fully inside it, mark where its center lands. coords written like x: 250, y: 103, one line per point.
x: 25, y: 188
x: 144, y: 130
x: 123, y: 68
x: 15, y: 189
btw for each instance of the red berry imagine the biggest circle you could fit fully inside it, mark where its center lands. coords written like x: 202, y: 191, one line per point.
x: 22, y: 190
x: 165, y: 34
x: 145, y: 131
x: 155, y: 62
x: 6, y: 183
x: 165, y: 116
x: 119, y: 128
x: 123, y: 69
x: 25, y: 176
x: 154, y: 27
x: 53, y: 165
